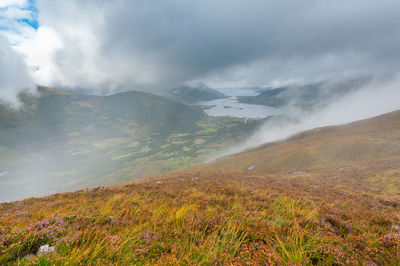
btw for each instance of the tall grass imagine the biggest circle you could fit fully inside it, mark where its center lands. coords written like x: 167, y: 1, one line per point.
x: 219, y: 218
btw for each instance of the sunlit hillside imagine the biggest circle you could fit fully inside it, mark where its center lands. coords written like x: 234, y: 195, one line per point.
x: 328, y: 196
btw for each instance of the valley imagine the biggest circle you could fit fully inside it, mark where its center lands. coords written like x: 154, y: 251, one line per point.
x: 61, y: 142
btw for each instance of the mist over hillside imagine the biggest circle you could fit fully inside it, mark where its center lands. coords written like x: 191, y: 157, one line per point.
x: 309, y: 97
x: 364, y: 99
x: 59, y: 141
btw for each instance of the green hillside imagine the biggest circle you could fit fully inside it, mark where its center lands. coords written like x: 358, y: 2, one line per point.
x: 194, y: 94
x: 61, y: 142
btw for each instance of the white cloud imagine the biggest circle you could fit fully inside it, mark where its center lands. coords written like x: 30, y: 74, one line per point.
x: 8, y: 3
x: 13, y: 73
x: 15, y: 13
x: 38, y: 49
x: 15, y: 19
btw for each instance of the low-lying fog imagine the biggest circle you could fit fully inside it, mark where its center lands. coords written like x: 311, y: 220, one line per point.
x: 375, y: 98
x: 88, y: 159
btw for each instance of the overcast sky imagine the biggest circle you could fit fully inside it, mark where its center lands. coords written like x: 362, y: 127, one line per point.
x: 156, y: 44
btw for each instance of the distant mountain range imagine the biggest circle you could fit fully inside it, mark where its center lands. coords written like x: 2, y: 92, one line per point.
x: 308, y: 97
x: 56, y: 114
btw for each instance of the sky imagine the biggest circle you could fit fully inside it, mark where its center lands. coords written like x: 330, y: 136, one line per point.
x: 106, y: 46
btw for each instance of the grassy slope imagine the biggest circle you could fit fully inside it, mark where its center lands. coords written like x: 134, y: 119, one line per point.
x: 354, y: 144
x: 343, y: 210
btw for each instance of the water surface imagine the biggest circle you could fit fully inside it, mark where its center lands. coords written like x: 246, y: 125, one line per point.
x: 232, y: 107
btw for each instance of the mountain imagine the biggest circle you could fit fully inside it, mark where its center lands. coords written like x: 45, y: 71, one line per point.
x: 193, y: 94
x: 45, y: 91
x: 55, y: 116
x: 59, y: 141
x: 307, y: 97
x: 328, y: 196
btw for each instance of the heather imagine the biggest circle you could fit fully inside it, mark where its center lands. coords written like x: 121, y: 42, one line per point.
x: 205, y: 217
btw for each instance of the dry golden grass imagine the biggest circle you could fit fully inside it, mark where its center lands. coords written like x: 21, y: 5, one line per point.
x: 349, y: 145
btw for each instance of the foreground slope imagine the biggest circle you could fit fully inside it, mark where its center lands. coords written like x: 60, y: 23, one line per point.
x: 326, y: 196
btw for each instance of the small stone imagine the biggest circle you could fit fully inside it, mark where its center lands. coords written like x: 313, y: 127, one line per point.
x: 44, y: 250
x: 298, y: 172
x: 396, y: 228
x: 251, y: 167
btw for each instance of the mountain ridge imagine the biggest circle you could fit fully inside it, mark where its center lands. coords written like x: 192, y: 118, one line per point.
x: 307, y: 97
x: 194, y: 94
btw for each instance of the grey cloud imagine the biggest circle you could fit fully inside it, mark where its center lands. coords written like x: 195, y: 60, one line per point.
x: 163, y: 43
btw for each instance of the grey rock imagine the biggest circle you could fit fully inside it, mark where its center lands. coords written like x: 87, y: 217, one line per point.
x: 298, y: 172
x: 44, y: 250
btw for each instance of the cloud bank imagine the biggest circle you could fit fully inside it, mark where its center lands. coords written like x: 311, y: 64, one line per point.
x: 107, y: 46
x: 156, y: 44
